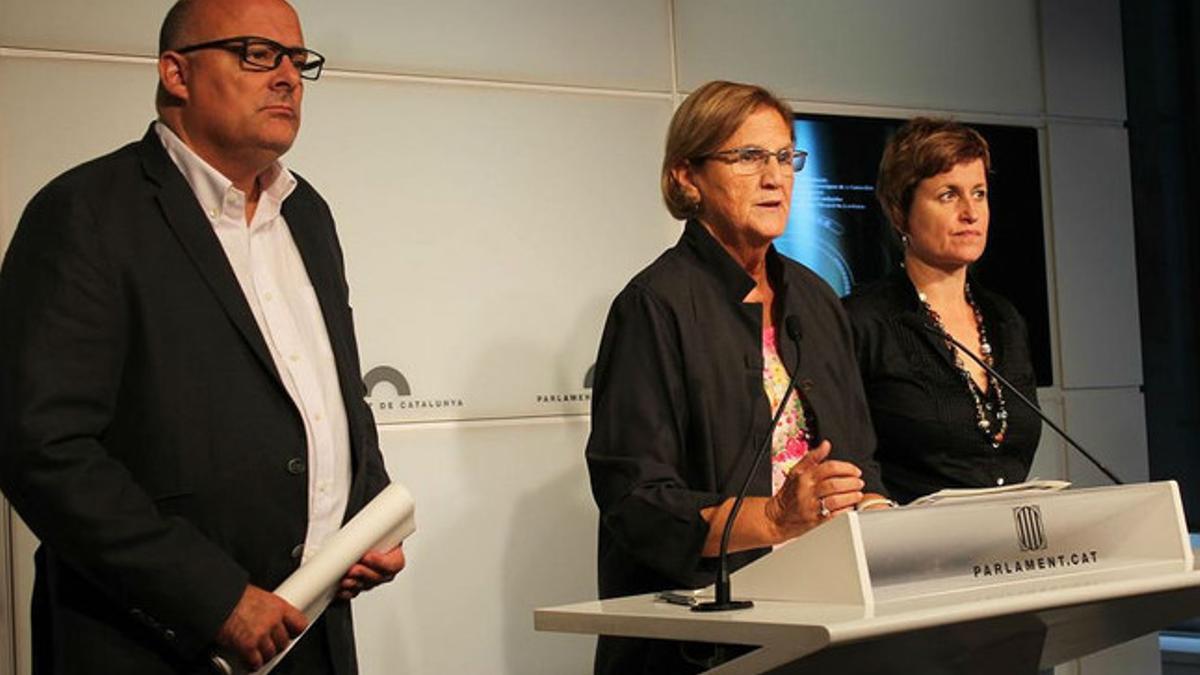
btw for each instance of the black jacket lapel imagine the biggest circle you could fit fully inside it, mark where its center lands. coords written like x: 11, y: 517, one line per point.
x: 310, y: 235
x: 312, y: 230
x: 186, y: 218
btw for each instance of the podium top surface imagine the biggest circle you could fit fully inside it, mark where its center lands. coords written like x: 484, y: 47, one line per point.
x: 1072, y: 571
x: 822, y: 623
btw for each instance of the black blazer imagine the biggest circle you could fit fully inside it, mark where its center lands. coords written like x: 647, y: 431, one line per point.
x: 924, y: 416
x: 678, y: 409
x: 145, y: 435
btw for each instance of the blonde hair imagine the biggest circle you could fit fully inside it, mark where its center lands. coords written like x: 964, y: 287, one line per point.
x: 705, y: 120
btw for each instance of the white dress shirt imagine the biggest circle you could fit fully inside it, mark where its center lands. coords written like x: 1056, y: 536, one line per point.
x: 273, y: 278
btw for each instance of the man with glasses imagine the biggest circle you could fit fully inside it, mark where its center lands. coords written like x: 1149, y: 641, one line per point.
x: 181, y: 412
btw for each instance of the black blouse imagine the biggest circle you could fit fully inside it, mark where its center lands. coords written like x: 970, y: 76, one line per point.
x: 678, y: 409
x: 678, y: 405
x: 924, y: 417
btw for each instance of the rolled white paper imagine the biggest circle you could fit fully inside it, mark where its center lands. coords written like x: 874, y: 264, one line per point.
x: 380, y: 526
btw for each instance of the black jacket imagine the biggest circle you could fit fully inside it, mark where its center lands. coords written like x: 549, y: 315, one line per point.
x: 678, y: 406
x: 145, y: 435
x: 924, y: 416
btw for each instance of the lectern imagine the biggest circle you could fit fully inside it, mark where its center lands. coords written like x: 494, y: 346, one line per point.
x: 1005, y: 583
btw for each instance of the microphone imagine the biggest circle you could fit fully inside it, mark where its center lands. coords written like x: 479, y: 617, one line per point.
x: 1030, y: 404
x: 723, y: 601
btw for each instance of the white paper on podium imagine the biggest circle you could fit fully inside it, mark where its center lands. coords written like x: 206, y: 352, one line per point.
x: 969, y: 494
x: 380, y: 526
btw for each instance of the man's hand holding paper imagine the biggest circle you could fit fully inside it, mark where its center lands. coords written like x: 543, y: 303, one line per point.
x: 262, y: 625
x: 373, y: 569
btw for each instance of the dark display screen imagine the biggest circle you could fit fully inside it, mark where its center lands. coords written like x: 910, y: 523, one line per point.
x: 837, y: 228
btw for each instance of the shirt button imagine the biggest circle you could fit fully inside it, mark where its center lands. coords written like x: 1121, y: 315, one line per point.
x: 999, y: 481
x: 169, y: 634
x: 212, y: 213
x: 319, y: 417
x: 297, y: 551
x: 296, y: 466
x: 294, y: 357
x: 268, y: 297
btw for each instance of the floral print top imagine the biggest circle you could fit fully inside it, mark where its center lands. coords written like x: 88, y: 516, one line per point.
x: 790, y: 436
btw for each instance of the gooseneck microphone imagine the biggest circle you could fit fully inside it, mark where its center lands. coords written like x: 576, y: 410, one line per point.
x: 1032, y: 406
x: 722, y: 602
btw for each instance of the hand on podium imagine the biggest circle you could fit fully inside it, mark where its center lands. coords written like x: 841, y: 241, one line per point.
x: 816, y: 489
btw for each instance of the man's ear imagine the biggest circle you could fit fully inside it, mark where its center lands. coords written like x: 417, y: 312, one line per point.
x: 173, y: 74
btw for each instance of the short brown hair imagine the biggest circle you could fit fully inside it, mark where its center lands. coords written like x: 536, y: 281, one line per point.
x: 707, y: 117
x: 922, y: 148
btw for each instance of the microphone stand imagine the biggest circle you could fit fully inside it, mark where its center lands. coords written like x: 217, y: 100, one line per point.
x: 1032, y: 406
x: 723, y: 602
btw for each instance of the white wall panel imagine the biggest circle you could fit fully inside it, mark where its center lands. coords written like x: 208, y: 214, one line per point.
x: 24, y: 544
x: 605, y: 43
x: 1084, y: 62
x: 486, y: 233
x: 505, y: 523
x: 8, y: 643
x: 976, y: 55
x: 1050, y: 460
x: 56, y: 114
x: 1096, y: 270
x: 1111, y: 424
x: 96, y: 26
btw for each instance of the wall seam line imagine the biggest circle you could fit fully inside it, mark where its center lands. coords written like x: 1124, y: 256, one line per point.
x: 673, y: 44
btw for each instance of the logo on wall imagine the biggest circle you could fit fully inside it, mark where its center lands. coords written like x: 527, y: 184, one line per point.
x: 390, y: 375
x: 581, y: 395
x: 1031, y: 533
x: 388, y: 390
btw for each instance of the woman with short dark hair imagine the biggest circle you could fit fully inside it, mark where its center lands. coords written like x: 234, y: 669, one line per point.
x: 941, y: 419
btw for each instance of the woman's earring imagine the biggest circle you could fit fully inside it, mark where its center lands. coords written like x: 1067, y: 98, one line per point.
x: 904, y: 240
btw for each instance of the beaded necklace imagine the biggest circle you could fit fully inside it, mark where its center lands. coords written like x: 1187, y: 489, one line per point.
x: 984, y: 403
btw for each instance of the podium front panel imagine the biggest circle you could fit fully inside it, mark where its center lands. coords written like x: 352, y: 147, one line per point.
x: 1006, y: 540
